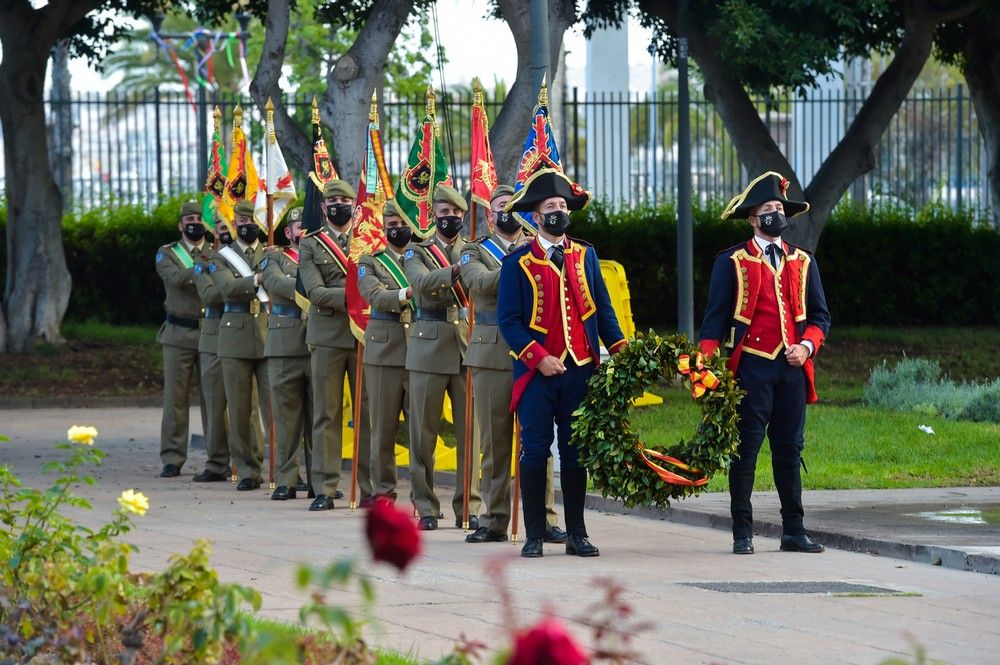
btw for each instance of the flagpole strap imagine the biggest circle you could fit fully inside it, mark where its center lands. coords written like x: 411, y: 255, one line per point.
x: 334, y: 250
x: 442, y: 261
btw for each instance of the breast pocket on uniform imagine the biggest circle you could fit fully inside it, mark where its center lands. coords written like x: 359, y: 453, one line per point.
x: 430, y: 332
x: 375, y: 336
x: 485, y: 335
x: 237, y: 323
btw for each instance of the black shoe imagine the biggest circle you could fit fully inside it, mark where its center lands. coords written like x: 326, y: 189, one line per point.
x: 580, y: 546
x: 532, y: 548
x: 743, y: 546
x: 338, y: 495
x: 484, y: 535
x: 321, y: 502
x: 170, y: 471
x: 473, y: 522
x: 282, y: 493
x: 802, y: 543
x: 554, y: 534
x: 207, y: 476
x: 428, y: 523
x: 300, y: 486
x: 247, y: 484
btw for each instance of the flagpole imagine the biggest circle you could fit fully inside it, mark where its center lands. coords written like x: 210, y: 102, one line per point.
x: 269, y: 198
x: 217, y: 119
x: 356, y: 403
x: 516, y: 494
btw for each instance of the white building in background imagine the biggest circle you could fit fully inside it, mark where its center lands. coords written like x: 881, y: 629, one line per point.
x: 607, y: 118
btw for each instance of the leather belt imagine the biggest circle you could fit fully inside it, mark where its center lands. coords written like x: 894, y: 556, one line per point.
x: 449, y: 314
x: 487, y: 318
x: 379, y: 315
x: 241, y: 307
x: 290, y: 311
x: 212, y: 313
x: 182, y: 322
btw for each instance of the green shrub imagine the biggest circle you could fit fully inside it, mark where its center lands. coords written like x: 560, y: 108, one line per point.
x: 917, y: 385
x: 985, y: 406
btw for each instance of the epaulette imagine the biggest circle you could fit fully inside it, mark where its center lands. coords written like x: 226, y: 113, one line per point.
x: 730, y: 250
x: 426, y: 242
x: 519, y: 251
x: 580, y: 241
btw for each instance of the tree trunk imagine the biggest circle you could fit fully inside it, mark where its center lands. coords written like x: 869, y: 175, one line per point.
x: 38, y: 283
x: 344, y: 107
x: 982, y: 72
x: 511, y: 124
x: 854, y: 155
x: 61, y: 134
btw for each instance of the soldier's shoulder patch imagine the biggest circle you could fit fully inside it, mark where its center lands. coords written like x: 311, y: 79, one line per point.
x: 197, y: 269
x: 159, y: 256
x: 211, y: 267
x: 408, y: 255
x: 465, y: 258
x: 362, y: 271
x: 263, y: 264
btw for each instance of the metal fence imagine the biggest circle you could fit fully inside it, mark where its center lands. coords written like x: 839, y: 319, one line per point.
x: 138, y: 148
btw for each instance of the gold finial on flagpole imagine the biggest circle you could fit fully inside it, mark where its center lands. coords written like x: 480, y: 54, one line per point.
x: 373, y: 111
x: 477, y: 92
x: 237, y: 122
x: 543, y: 93
x: 315, y: 111
x: 217, y: 117
x: 430, y: 100
x: 269, y: 120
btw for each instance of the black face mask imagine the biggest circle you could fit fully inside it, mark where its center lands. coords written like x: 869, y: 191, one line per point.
x: 508, y: 223
x: 449, y: 226
x: 194, y: 231
x: 338, y: 214
x: 555, y: 223
x: 248, y: 233
x: 399, y: 236
x: 772, y: 223
x: 225, y: 238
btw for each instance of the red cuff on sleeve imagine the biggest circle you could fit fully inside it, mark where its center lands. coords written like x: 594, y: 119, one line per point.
x: 617, y: 346
x: 814, y: 335
x: 709, y: 346
x: 532, y: 354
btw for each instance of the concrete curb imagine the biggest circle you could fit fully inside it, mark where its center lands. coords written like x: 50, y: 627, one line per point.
x: 979, y: 560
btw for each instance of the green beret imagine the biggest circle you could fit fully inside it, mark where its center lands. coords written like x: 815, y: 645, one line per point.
x: 501, y: 190
x: 244, y: 208
x: 448, y: 194
x: 295, y: 215
x: 338, y: 188
x: 190, y: 208
x: 390, y: 209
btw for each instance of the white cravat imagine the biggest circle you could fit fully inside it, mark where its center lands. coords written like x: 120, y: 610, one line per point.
x: 547, y: 245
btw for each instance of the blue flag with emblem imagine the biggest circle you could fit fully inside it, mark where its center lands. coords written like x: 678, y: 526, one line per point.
x: 540, y: 150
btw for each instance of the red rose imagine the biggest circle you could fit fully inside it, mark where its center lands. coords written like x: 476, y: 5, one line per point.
x: 392, y: 534
x: 547, y: 643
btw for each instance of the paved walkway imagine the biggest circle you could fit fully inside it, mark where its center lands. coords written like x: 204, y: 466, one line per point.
x: 950, y: 613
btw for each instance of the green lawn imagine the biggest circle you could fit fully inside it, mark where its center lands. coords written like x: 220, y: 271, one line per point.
x: 852, y: 446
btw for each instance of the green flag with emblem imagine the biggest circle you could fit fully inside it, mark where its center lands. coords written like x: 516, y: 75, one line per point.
x: 425, y: 169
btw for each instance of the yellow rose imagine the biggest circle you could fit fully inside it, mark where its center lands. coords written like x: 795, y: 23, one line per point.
x: 82, y: 434
x: 134, y: 502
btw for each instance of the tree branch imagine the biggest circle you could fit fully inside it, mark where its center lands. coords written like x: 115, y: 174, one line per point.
x: 294, y: 143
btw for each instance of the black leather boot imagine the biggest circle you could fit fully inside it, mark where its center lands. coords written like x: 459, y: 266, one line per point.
x: 574, y: 491
x: 533, y: 506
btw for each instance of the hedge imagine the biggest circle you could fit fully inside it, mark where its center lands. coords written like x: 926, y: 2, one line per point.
x: 884, y: 267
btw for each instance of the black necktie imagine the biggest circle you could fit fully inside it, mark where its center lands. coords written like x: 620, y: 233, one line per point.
x: 342, y: 240
x: 774, y: 253
x: 557, y: 256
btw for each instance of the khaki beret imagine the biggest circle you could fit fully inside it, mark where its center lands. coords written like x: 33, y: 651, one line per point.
x: 448, y: 194
x: 295, y: 215
x: 390, y: 209
x: 501, y: 190
x: 190, y: 208
x: 338, y: 188
x: 244, y: 208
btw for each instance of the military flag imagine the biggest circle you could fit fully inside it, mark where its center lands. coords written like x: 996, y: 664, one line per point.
x: 369, y: 236
x: 215, y: 181
x: 540, y: 151
x: 425, y: 169
x: 484, y: 172
x: 277, y: 183
x: 322, y: 170
x: 241, y: 176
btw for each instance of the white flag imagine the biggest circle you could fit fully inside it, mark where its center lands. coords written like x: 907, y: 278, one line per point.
x: 277, y: 182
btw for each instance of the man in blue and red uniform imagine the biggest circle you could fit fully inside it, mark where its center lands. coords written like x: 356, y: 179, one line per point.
x: 766, y: 307
x: 552, y: 308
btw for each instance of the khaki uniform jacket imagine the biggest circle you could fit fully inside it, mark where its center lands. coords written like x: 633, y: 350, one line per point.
x: 241, y: 335
x: 181, y: 296
x: 211, y: 296
x: 481, y: 272
x: 286, y: 335
x: 385, y: 341
x: 435, y: 346
x: 325, y: 284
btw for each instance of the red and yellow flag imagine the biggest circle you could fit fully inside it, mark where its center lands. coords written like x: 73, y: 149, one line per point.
x: 241, y: 179
x: 369, y: 235
x: 215, y: 180
x: 484, y: 173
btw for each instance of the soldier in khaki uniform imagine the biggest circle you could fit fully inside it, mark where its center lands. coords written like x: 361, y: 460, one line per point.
x: 288, y: 360
x: 241, y: 343
x: 492, y: 375
x: 175, y: 264
x: 212, y: 389
x: 323, y: 272
x: 384, y: 285
x: 434, y: 356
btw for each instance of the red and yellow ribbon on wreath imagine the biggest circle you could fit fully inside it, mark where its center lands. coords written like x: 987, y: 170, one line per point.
x: 668, y: 476
x: 702, y: 380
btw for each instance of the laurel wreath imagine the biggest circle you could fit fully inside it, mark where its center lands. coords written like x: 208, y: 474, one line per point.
x: 638, y: 473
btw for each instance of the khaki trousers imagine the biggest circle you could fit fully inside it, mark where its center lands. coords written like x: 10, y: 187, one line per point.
x: 245, y: 439
x: 388, y: 388
x: 291, y: 399
x: 214, y: 392
x: 180, y: 372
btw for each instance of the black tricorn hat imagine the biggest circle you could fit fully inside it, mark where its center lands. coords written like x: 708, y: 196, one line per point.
x: 545, y: 184
x: 770, y: 186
